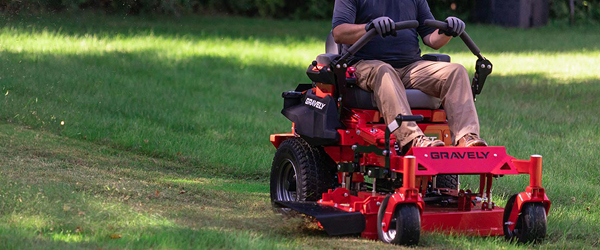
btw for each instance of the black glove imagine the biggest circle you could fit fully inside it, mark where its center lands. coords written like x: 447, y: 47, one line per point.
x: 455, y: 27
x: 385, y: 26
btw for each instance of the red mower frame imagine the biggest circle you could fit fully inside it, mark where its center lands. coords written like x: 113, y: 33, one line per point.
x: 363, y: 148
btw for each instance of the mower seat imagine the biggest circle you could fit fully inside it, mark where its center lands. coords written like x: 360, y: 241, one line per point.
x: 356, y: 97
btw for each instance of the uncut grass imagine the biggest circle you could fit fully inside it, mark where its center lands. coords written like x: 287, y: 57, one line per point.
x: 205, y: 92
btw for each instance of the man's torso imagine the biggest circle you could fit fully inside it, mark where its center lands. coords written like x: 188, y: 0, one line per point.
x: 398, y: 51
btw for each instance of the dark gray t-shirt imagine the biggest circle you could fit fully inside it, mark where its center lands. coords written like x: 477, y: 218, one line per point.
x: 398, y: 51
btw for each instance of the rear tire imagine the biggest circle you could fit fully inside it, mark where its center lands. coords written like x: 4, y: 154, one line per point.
x: 447, y: 181
x: 531, y: 224
x: 405, y: 226
x: 300, y: 172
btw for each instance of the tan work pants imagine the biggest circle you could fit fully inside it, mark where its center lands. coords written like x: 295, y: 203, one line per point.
x: 447, y: 81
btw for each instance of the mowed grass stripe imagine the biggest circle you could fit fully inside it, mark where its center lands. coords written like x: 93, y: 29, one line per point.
x: 58, y: 193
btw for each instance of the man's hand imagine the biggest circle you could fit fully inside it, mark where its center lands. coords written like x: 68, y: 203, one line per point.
x: 385, y: 26
x: 455, y: 27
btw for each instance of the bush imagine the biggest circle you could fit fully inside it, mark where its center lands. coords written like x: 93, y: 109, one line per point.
x: 588, y: 10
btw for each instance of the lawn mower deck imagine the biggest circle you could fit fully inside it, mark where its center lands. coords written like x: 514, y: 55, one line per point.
x: 340, y: 164
x: 442, y: 209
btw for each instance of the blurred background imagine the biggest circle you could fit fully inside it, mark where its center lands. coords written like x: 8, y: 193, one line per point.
x: 470, y: 10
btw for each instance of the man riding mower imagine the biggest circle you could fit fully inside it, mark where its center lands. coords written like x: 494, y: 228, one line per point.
x: 339, y: 163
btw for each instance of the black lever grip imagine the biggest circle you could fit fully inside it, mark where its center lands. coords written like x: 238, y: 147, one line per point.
x: 464, y: 36
x: 402, y: 118
x: 409, y: 118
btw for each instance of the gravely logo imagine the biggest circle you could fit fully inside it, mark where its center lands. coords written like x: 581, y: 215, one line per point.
x: 314, y: 103
x: 459, y: 155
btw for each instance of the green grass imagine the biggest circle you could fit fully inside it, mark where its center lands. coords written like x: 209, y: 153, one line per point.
x: 155, y: 106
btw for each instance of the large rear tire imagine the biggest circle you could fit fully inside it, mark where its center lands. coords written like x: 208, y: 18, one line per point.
x: 531, y: 224
x: 300, y: 172
x: 447, y: 181
x: 405, y: 226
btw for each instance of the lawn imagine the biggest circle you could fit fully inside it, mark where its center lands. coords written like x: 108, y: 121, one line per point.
x: 152, y: 132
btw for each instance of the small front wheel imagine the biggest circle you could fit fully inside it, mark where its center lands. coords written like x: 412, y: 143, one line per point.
x: 405, y: 226
x: 531, y: 224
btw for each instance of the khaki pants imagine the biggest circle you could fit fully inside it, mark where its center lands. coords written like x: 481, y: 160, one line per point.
x: 447, y: 81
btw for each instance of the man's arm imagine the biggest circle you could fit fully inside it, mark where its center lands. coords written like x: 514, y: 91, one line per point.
x: 436, y: 40
x: 348, y: 33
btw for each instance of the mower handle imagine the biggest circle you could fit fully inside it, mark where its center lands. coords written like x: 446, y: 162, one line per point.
x: 362, y: 41
x: 464, y: 36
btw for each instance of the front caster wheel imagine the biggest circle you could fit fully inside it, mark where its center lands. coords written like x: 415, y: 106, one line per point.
x: 531, y: 224
x: 405, y: 226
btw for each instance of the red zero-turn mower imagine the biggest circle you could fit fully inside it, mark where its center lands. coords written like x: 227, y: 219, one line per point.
x: 338, y: 139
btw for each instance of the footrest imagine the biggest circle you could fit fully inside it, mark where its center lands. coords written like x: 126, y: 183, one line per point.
x: 334, y: 221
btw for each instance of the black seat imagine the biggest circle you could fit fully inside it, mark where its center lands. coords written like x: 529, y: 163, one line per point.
x: 356, y: 97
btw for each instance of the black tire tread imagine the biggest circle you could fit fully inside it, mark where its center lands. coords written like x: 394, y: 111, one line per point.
x: 411, y: 224
x: 315, y: 168
x: 408, y: 223
x: 531, y: 225
x: 534, y: 223
x: 447, y: 181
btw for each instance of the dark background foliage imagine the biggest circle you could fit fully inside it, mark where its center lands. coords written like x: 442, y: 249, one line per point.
x: 588, y: 10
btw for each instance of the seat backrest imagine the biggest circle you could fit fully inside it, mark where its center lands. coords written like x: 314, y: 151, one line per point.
x: 332, y: 47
